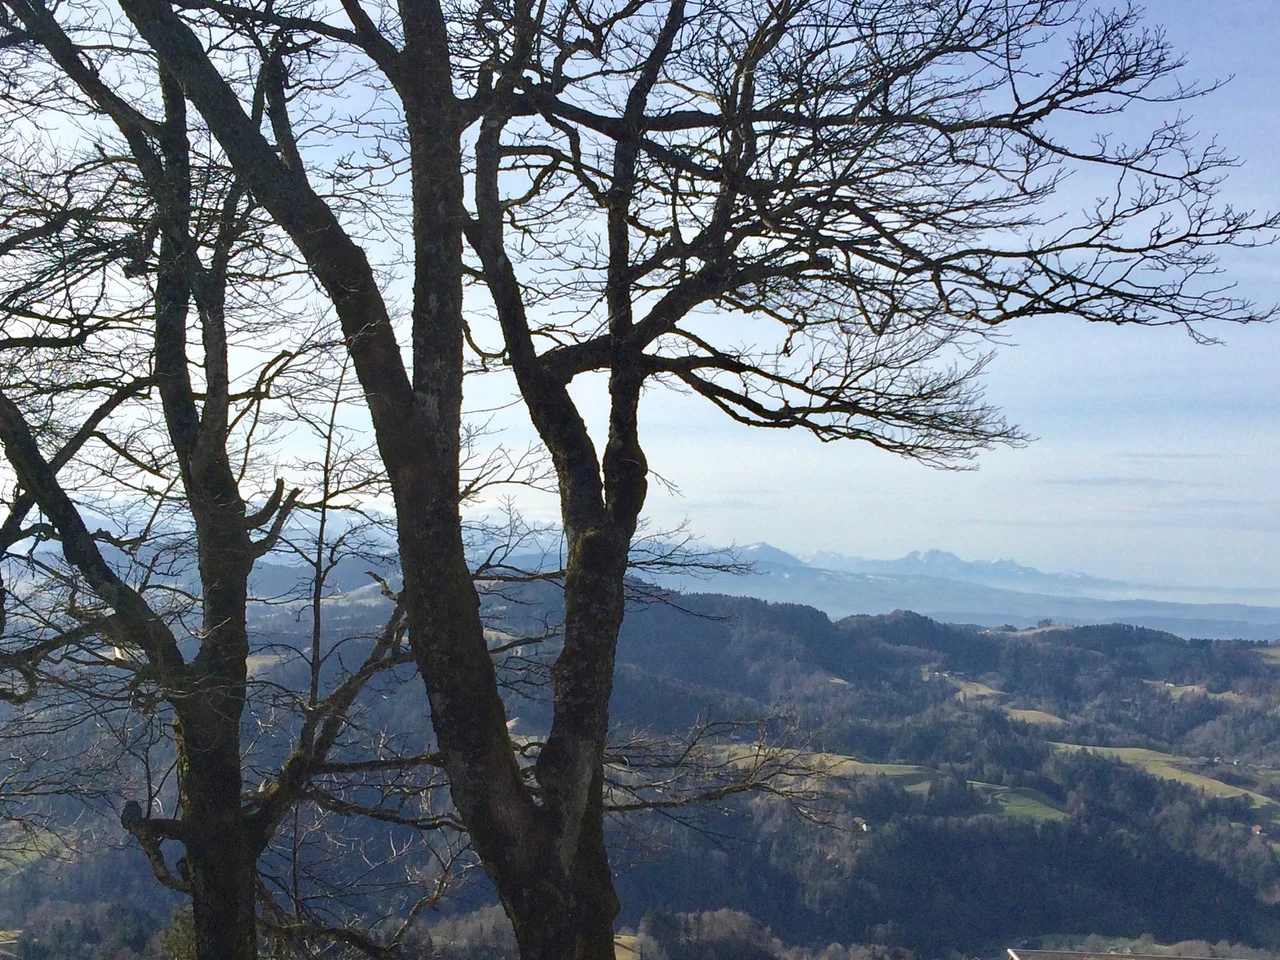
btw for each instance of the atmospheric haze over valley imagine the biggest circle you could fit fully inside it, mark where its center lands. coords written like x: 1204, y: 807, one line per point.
x: 990, y: 593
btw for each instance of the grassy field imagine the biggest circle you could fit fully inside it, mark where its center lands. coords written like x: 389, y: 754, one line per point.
x: 19, y: 848
x: 1166, y: 766
x: 852, y: 767
x: 836, y: 764
x: 964, y: 689
x: 262, y: 662
x: 911, y: 778
x: 1035, y: 716
x: 1026, y: 804
x: 1178, y: 691
x: 1052, y: 628
x: 1006, y: 801
x: 1030, y: 804
x: 973, y: 690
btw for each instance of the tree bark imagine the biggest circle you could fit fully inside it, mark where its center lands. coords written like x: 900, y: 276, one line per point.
x: 593, y: 894
x: 221, y: 864
x: 220, y: 845
x: 223, y: 879
x: 570, y: 916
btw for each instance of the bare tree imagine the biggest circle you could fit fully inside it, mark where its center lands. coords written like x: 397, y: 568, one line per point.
x: 142, y: 500
x: 94, y: 719
x: 808, y: 213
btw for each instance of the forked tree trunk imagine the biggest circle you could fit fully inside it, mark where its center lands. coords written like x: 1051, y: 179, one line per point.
x: 568, y: 918
x: 575, y: 920
x: 545, y: 853
x: 595, y: 900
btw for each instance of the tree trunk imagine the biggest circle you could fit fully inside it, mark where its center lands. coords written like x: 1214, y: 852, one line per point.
x: 594, y: 897
x: 570, y: 913
x: 221, y: 854
x: 222, y: 871
x: 567, y: 918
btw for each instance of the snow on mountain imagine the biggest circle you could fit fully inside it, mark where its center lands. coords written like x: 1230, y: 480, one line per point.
x: 766, y: 553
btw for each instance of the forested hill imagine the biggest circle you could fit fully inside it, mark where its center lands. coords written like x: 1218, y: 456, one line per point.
x: 985, y: 816
x: 990, y: 786
x: 863, y: 680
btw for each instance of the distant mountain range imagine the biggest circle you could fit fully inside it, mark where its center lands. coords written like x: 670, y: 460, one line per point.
x: 934, y: 583
x: 943, y: 586
x: 1005, y: 574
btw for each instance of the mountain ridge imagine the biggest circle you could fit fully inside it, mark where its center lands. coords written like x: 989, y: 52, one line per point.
x: 1005, y: 573
x: 782, y: 577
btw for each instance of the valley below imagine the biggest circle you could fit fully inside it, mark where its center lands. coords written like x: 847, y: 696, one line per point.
x: 873, y: 786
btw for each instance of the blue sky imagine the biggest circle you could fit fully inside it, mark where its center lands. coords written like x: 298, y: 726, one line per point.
x: 1156, y: 460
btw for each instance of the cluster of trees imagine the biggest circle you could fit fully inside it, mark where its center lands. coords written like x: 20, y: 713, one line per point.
x: 734, y: 935
x: 65, y: 931
x: 970, y: 882
x: 102, y: 907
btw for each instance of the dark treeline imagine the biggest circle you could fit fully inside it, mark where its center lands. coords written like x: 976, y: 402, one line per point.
x: 939, y: 871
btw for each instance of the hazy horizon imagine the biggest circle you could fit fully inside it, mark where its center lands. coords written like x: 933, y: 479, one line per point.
x: 1198, y: 593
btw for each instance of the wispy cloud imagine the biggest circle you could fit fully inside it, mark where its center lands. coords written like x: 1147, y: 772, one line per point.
x: 1150, y: 483
x: 726, y: 503
x: 1179, y: 455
